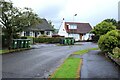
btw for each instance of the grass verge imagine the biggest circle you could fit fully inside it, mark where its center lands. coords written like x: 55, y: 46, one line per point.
x: 69, y: 69
x: 81, y: 52
x: 12, y: 50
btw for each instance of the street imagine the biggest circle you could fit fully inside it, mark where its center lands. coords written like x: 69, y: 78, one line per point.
x: 39, y: 62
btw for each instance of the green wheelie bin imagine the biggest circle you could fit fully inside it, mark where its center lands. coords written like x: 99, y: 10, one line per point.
x: 28, y: 43
x: 69, y: 41
x: 25, y: 43
x: 14, y: 43
x: 18, y: 43
x: 65, y: 41
x: 22, y: 43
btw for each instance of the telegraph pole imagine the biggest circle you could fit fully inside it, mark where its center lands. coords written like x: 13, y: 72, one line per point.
x: 73, y: 24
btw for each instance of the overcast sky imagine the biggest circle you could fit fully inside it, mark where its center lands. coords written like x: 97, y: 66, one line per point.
x: 91, y: 11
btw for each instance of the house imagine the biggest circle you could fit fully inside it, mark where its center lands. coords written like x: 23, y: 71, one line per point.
x: 44, y: 28
x: 80, y: 31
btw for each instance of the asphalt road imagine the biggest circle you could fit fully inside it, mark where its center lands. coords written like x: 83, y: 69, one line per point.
x: 39, y: 62
x: 98, y: 66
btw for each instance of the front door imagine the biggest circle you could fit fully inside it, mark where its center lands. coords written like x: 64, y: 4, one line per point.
x: 36, y: 34
x: 81, y: 35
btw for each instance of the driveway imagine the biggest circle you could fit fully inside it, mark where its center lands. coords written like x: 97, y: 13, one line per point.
x: 39, y: 62
x: 97, y: 66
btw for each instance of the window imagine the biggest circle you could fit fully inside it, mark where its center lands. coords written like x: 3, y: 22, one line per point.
x: 48, y: 33
x: 73, y: 26
x: 27, y: 33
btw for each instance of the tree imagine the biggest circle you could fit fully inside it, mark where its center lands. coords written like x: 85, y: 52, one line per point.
x: 102, y: 28
x: 114, y: 22
x: 50, y: 22
x: 15, y: 19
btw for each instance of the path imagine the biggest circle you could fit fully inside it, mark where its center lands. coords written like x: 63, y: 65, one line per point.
x: 96, y: 65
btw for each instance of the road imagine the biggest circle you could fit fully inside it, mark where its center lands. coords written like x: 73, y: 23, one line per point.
x: 39, y: 62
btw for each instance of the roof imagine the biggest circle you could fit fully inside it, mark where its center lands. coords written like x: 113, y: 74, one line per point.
x: 81, y: 27
x: 43, y: 26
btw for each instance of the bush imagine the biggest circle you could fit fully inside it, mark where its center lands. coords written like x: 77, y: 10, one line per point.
x: 116, y: 52
x: 43, y: 35
x: 109, y: 41
x: 47, y: 40
x: 95, y: 39
x: 101, y: 29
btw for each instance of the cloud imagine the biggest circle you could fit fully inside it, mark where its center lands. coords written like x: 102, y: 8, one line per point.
x: 50, y: 11
x: 92, y: 11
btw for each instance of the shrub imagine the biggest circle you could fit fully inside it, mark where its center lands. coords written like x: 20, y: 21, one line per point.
x: 116, y: 52
x: 95, y: 38
x: 47, y: 40
x: 43, y: 35
x: 109, y: 41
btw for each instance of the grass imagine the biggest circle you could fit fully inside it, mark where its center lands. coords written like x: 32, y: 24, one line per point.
x: 4, y: 51
x: 69, y: 69
x: 12, y: 50
x: 81, y: 52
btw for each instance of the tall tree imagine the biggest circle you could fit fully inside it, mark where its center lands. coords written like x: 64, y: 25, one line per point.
x: 16, y: 19
x: 50, y: 22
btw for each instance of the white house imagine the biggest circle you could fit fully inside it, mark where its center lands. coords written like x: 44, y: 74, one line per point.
x: 44, y: 28
x: 80, y: 31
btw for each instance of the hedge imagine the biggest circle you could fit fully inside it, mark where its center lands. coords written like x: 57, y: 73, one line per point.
x: 109, y: 41
x: 47, y: 40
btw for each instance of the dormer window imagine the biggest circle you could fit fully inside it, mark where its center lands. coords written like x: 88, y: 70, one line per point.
x: 72, y: 26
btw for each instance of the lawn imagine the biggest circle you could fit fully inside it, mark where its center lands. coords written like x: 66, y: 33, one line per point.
x: 81, y: 52
x: 69, y: 69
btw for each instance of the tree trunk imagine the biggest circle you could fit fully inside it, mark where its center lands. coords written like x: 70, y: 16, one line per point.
x: 9, y: 41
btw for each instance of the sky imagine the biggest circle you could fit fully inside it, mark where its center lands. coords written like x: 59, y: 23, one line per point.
x: 88, y: 11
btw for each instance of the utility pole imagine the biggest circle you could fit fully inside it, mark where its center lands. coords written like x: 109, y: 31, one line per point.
x: 73, y: 24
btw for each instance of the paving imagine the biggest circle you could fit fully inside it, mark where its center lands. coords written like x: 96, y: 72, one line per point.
x: 96, y: 65
x: 38, y: 62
